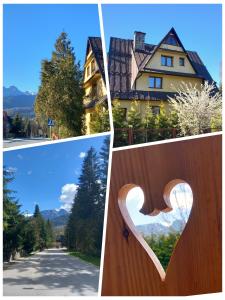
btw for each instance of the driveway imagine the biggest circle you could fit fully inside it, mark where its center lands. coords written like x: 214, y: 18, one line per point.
x: 50, y: 273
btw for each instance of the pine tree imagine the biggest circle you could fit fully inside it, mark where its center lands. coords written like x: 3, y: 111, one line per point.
x: 12, y: 219
x: 40, y: 229
x: 163, y: 124
x: 49, y: 234
x: 60, y: 96
x: 134, y: 116
x: 82, y: 227
x: 119, y: 121
x: 17, y: 128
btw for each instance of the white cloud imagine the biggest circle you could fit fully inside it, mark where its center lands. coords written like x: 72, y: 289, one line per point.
x: 29, y: 172
x: 82, y: 154
x: 68, y: 192
x: 11, y: 169
x: 19, y: 156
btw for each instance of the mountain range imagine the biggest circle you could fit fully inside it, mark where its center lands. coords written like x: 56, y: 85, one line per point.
x: 159, y: 229
x: 58, y: 217
x: 16, y: 101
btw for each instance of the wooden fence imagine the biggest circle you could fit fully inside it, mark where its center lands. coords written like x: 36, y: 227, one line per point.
x: 130, y: 136
x: 131, y: 268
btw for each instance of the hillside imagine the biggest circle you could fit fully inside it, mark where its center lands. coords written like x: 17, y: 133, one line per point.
x: 16, y: 101
x: 57, y: 217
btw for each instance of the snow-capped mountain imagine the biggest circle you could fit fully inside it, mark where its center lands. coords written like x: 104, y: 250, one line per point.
x: 13, y: 91
x: 58, y: 217
x: 16, y: 101
x: 159, y: 229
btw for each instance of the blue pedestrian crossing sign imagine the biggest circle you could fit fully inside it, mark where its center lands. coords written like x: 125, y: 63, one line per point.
x: 50, y: 122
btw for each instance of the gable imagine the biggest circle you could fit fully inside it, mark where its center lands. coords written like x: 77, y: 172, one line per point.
x: 155, y: 62
x: 172, y: 42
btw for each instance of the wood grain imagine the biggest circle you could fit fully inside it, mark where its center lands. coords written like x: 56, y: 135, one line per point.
x: 196, y: 264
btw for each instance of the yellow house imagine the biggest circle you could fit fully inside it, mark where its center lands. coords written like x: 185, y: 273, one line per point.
x: 94, y: 79
x: 150, y: 73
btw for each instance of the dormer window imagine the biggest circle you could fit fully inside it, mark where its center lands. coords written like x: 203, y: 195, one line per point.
x: 155, y: 82
x: 171, y: 40
x: 166, y: 61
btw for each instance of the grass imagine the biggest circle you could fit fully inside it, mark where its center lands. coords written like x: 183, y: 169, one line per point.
x: 91, y: 259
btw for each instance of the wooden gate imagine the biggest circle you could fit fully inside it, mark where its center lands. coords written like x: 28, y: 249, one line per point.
x: 196, y: 263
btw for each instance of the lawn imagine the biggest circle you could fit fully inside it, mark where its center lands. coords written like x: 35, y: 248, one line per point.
x: 91, y: 259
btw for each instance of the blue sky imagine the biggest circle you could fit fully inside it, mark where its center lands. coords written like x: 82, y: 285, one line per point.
x: 181, y: 200
x: 198, y: 26
x: 29, y: 35
x: 45, y: 174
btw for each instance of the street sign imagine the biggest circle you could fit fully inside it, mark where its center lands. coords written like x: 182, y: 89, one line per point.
x: 50, y: 122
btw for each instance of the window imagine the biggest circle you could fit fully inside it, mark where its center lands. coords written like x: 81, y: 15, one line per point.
x: 155, y: 82
x: 166, y: 61
x: 124, y: 111
x: 92, y: 65
x: 171, y: 40
x: 88, y: 71
x: 181, y: 61
x: 155, y: 110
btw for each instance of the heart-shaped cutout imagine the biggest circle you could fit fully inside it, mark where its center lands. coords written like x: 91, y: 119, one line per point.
x: 159, y: 232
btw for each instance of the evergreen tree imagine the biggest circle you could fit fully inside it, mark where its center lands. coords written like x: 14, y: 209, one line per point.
x: 163, y: 124
x: 119, y: 121
x: 40, y: 229
x: 149, y: 123
x: 60, y: 96
x: 27, y: 127
x: 134, y: 116
x: 82, y: 228
x: 99, y: 120
x: 17, y: 128
x: 49, y: 234
x: 12, y: 219
x: 29, y: 242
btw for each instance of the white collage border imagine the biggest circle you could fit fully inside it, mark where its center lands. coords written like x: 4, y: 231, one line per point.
x: 101, y: 22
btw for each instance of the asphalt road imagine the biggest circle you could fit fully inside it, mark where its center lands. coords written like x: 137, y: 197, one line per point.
x: 20, y: 142
x: 51, y: 273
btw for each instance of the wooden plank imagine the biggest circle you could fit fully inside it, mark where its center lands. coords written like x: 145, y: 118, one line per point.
x: 195, y: 266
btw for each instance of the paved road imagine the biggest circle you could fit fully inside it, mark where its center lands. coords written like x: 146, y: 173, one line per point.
x: 51, y: 273
x: 20, y: 142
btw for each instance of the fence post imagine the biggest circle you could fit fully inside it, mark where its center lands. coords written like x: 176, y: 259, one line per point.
x: 130, y: 135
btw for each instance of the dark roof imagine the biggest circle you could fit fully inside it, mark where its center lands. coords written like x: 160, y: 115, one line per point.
x: 119, y: 66
x: 96, y: 45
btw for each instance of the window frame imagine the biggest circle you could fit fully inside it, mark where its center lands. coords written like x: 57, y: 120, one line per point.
x: 181, y: 59
x: 155, y: 107
x: 124, y: 110
x: 166, y: 57
x: 168, y: 40
x: 155, y: 78
x: 92, y: 66
x: 88, y: 71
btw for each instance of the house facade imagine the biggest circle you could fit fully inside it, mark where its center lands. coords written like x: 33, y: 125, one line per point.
x: 94, y: 80
x: 150, y: 73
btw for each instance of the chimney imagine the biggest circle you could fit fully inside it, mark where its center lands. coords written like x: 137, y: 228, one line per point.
x: 139, y: 40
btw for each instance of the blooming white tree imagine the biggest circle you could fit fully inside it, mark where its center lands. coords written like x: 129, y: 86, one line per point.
x: 198, y: 109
